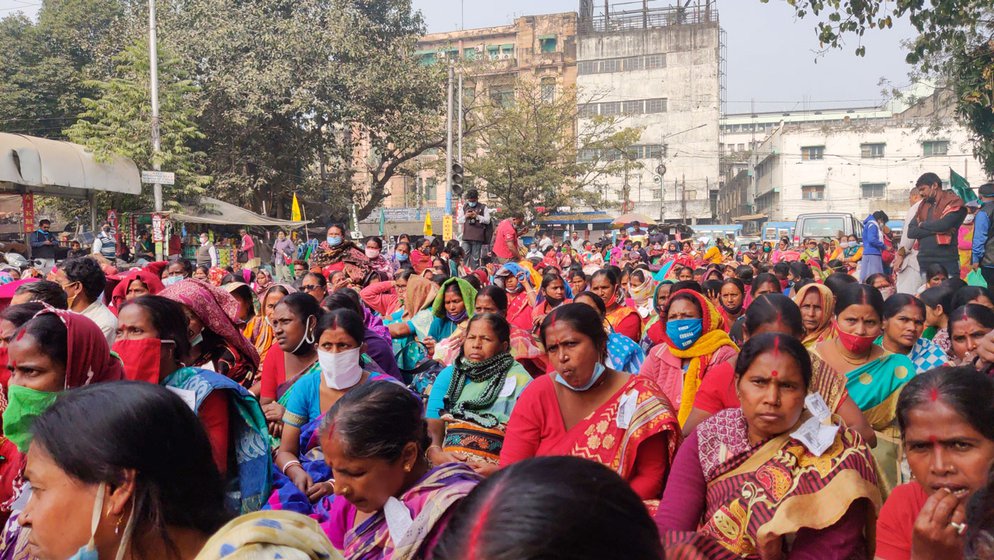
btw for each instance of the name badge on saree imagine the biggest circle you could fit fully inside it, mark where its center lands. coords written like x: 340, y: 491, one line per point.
x: 189, y: 397
x: 398, y: 519
x: 817, y: 407
x: 626, y: 409
x: 510, y: 384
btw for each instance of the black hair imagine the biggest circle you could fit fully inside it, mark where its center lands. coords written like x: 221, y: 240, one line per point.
x: 881, y: 216
x: 895, y: 303
x: 204, y: 268
x: 938, y: 295
x: 498, y: 323
x: 303, y: 306
x: 963, y: 389
x: 344, y: 319
x: 344, y: 298
x: 978, y: 540
x: 168, y: 319
x: 676, y: 295
x: 582, y: 318
x: 613, y: 275
x: 243, y: 293
x: 574, y: 272
x: 735, y: 282
x: 377, y: 240
x: 744, y: 273
x: 803, y: 282
x: 43, y: 222
x: 606, y: 516
x: 935, y: 269
x: 377, y: 420
x: 712, y: 288
x: 928, y: 179
x: 801, y: 270
x: 598, y: 302
x: 87, y: 272
x: 403, y: 274
x: 838, y: 280
x: 44, y: 291
x: 978, y: 313
x: 772, y: 308
x: 686, y: 285
x: 764, y: 278
x: 859, y: 294
x: 781, y: 269
x: 871, y: 279
x: 967, y: 294
x: 96, y: 433
x: 340, y: 227
x: 17, y: 315
x: 955, y: 283
x: 51, y: 335
x: 321, y: 280
x: 439, y: 279
x: 766, y: 342
x: 278, y: 288
x: 640, y: 272
x: 498, y: 295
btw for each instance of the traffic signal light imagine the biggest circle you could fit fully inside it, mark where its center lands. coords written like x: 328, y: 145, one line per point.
x: 456, y: 178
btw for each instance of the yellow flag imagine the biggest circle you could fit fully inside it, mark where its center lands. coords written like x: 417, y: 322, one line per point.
x: 427, y: 229
x: 295, y: 209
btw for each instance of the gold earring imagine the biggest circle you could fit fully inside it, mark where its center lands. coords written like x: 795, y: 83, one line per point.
x: 407, y: 468
x: 117, y: 528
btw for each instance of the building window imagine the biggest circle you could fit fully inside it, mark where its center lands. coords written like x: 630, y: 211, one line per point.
x: 587, y: 154
x: 867, y: 151
x: 654, y: 151
x: 493, y: 52
x: 809, y: 153
x: 873, y: 190
x: 632, y: 107
x: 502, y: 95
x: 610, y: 65
x: 547, y: 44
x: 585, y: 67
x: 548, y: 90
x: 633, y: 63
x: 611, y: 108
x: 813, y: 192
x: 935, y: 148
x: 469, y: 54
x: 655, y: 105
x: 587, y: 110
x: 654, y: 61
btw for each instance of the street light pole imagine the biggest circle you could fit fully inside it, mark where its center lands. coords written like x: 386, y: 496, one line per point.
x: 448, y: 144
x: 153, y: 60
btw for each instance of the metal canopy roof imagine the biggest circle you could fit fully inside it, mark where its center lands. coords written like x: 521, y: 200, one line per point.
x: 29, y: 164
x: 217, y: 212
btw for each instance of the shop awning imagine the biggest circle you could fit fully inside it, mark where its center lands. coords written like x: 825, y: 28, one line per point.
x: 576, y: 219
x: 217, y: 212
x: 29, y: 164
x: 750, y: 218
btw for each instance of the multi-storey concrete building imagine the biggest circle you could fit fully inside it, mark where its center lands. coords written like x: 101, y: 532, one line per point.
x: 658, y: 68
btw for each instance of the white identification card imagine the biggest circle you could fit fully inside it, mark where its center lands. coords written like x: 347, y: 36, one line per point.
x: 398, y: 520
x: 189, y: 397
x: 510, y: 384
x: 817, y: 407
x: 814, y: 435
x: 626, y: 409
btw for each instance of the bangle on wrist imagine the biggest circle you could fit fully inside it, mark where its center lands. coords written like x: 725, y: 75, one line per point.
x: 290, y: 464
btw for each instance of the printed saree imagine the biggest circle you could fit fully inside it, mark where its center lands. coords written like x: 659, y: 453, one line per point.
x: 286, y: 495
x: 760, y: 494
x: 428, y: 501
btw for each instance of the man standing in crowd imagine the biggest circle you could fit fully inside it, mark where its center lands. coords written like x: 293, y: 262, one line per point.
x: 506, y: 238
x: 43, y: 245
x: 576, y: 242
x: 909, y: 277
x: 84, y: 284
x: 207, y: 252
x: 104, y: 243
x: 983, y: 240
x: 637, y: 233
x: 284, y: 252
x: 935, y: 225
x: 474, y: 218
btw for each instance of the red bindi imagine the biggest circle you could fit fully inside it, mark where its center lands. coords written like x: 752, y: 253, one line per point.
x: 775, y: 373
x: 776, y: 348
x: 20, y: 335
x: 933, y: 439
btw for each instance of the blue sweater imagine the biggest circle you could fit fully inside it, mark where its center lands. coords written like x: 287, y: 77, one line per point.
x: 873, y: 243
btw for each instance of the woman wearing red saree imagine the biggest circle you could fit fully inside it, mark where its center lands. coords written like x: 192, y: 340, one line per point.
x: 588, y: 410
x: 624, y: 319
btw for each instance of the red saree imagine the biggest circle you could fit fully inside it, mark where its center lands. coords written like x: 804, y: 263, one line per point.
x: 519, y: 311
x: 536, y: 429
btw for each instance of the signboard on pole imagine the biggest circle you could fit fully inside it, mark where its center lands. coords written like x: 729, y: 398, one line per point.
x: 159, y: 177
x: 28, y: 202
x: 157, y: 229
x: 447, y: 227
x: 112, y: 218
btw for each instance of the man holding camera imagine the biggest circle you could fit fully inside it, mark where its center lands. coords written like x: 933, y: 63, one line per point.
x: 475, y: 221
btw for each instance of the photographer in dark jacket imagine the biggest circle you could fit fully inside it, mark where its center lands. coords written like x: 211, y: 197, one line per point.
x: 936, y: 224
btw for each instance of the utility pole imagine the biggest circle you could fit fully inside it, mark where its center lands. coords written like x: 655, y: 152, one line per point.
x: 459, y: 149
x: 153, y: 61
x: 448, y: 144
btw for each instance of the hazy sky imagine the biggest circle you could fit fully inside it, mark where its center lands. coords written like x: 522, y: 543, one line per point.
x: 772, y: 57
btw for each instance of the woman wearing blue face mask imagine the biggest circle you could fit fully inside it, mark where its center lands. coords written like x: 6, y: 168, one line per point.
x: 123, y: 470
x: 586, y: 409
x: 338, y: 253
x: 695, y: 342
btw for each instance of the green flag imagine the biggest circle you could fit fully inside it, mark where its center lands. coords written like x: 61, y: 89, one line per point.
x: 961, y: 187
x: 383, y: 221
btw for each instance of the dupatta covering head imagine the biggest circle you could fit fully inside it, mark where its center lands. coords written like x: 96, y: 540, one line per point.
x: 420, y: 294
x: 759, y: 494
x: 88, y: 357
x: 151, y: 281
x: 217, y: 310
x: 268, y: 535
x: 467, y: 291
x: 712, y: 338
x: 824, y: 330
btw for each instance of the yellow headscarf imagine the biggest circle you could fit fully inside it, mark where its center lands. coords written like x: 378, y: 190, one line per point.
x: 711, y: 340
x: 824, y: 330
x: 267, y: 535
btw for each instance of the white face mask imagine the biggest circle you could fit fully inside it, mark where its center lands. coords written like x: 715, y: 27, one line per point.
x: 372, y: 253
x: 340, y: 370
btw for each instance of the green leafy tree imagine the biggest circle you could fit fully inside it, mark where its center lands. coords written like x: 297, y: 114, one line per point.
x: 533, y: 151
x: 954, y: 47
x: 118, y: 121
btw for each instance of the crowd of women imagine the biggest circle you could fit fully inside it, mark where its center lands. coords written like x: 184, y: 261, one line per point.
x: 401, y: 405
